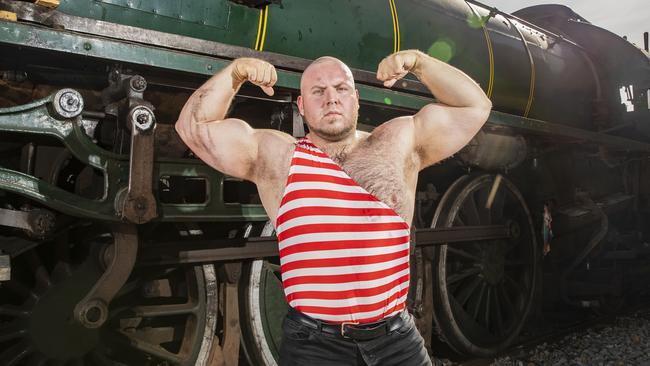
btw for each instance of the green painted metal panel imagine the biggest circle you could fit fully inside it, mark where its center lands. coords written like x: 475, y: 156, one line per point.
x: 446, y: 36
x: 216, y: 20
x: 360, y: 33
x: 208, y: 13
x: 61, y: 41
x: 86, y: 45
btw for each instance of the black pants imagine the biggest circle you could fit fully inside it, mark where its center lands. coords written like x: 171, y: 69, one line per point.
x: 302, y: 345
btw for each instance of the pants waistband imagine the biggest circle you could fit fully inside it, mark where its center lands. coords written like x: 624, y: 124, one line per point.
x: 360, y: 332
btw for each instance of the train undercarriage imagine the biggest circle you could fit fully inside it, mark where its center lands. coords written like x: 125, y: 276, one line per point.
x: 118, y: 247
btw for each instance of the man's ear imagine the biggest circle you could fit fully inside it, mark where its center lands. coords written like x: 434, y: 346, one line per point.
x: 301, y: 108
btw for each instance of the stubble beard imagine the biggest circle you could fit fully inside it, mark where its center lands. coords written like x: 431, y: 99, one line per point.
x: 334, y: 135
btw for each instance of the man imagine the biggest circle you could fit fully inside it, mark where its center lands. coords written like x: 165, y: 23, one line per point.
x: 341, y: 199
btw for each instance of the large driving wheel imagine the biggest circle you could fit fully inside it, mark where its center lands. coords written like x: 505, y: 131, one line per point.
x: 263, y: 307
x: 483, y: 291
x: 162, y: 316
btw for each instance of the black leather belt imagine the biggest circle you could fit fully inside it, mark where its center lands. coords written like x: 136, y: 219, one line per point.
x: 359, y: 332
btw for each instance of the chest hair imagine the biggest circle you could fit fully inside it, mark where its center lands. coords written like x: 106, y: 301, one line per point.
x: 380, y: 169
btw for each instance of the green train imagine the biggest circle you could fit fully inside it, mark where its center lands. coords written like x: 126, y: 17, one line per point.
x: 119, y: 247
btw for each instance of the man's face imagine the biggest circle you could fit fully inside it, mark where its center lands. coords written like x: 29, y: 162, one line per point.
x: 329, y: 102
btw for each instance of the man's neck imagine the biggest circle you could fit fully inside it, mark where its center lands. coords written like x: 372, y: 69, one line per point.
x: 335, y: 149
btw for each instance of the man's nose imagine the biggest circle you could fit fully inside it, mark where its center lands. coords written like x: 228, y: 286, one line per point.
x: 331, y: 96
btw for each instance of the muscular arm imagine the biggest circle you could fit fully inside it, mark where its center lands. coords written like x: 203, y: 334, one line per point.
x: 442, y: 128
x: 227, y: 144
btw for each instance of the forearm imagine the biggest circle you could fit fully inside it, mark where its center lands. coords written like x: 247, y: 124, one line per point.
x: 449, y: 85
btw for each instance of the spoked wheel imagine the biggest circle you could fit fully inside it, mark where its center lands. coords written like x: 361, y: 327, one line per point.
x: 164, y: 316
x: 263, y: 307
x: 483, y: 291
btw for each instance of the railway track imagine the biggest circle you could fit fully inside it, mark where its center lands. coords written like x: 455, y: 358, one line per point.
x: 556, y: 332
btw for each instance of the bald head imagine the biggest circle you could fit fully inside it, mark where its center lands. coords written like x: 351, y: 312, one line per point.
x: 314, y: 67
x: 328, y: 100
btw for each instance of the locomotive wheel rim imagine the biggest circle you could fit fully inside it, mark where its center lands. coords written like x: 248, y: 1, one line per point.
x: 459, y: 290
x: 264, y: 309
x: 132, y: 333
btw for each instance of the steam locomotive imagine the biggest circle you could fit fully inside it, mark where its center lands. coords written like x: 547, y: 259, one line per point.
x: 118, y: 247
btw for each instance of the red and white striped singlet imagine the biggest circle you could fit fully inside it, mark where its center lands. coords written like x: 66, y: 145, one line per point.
x: 344, y: 254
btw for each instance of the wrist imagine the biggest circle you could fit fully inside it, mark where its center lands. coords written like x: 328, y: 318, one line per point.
x: 419, y: 58
x: 238, y: 73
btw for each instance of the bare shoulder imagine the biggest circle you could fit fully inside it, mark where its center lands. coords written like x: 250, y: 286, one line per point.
x: 274, y: 153
x: 274, y: 140
x: 397, y: 130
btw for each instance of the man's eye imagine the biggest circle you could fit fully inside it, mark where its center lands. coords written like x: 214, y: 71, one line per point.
x: 342, y: 89
x: 318, y: 92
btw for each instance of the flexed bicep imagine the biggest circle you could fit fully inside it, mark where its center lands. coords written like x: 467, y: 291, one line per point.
x: 441, y: 128
x: 229, y: 146
x: 441, y: 131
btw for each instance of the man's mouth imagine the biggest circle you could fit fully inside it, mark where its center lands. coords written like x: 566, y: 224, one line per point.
x: 328, y: 114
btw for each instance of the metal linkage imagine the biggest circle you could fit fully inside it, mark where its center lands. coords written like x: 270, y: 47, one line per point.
x: 37, y: 223
x: 124, y: 99
x: 40, y: 118
x: 139, y: 204
x: 588, y: 249
x: 59, y: 116
x: 92, y: 310
x: 261, y: 247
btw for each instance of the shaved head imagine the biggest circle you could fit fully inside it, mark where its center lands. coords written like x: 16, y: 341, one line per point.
x: 322, y: 60
x: 328, y: 100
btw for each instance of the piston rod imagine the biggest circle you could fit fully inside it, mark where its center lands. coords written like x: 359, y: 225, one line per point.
x: 261, y: 247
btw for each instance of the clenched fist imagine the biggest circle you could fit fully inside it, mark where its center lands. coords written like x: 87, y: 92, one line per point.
x: 396, y: 66
x: 258, y: 72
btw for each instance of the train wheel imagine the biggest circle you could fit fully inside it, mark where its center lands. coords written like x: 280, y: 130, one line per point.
x: 263, y: 309
x: 164, y: 316
x: 483, y: 291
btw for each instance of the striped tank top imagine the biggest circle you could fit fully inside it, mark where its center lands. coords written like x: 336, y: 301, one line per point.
x: 344, y: 254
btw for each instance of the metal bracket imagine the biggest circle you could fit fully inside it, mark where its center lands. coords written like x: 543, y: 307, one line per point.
x: 5, y: 267
x: 258, y: 4
x: 92, y: 310
x: 37, y: 223
x: 231, y: 272
x: 231, y: 329
x: 297, y: 122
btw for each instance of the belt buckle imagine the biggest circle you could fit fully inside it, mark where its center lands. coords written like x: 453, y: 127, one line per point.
x: 343, y: 328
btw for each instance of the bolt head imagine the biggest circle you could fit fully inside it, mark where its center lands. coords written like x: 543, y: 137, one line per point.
x: 142, y: 118
x: 68, y: 103
x: 138, y: 83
